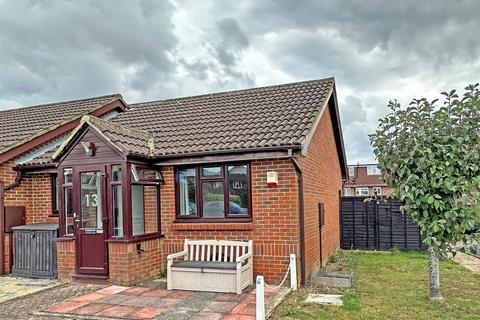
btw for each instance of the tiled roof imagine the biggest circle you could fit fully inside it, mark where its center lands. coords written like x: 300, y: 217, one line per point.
x: 40, y: 160
x: 129, y: 141
x: 259, y: 118
x: 21, y: 124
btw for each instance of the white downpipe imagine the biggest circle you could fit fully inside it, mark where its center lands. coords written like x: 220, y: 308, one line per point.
x: 293, y: 272
x: 260, y: 296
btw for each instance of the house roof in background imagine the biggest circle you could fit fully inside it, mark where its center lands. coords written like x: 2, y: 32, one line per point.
x: 271, y: 117
x: 44, y: 159
x: 20, y: 125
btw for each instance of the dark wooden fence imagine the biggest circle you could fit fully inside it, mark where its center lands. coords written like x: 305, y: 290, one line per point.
x: 377, y: 225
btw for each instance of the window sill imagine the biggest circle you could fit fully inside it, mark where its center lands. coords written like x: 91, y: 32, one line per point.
x: 209, y: 226
x: 135, y: 240
x: 64, y: 239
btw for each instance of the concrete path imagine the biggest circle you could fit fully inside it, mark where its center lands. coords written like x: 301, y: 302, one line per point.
x: 470, y: 262
x: 14, y: 287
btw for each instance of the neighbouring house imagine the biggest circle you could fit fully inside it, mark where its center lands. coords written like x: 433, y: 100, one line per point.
x: 365, y: 180
x: 127, y: 184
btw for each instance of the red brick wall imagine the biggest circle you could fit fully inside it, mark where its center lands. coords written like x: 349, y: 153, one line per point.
x: 128, y: 267
x: 33, y: 193
x: 322, y: 182
x: 66, y: 259
x: 275, y: 226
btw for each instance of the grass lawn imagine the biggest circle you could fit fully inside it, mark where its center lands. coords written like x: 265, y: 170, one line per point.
x: 392, y: 286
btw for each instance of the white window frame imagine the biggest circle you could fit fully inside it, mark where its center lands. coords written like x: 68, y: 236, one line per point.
x: 347, y: 194
x: 373, y: 170
x: 351, y: 171
x: 359, y: 192
x: 378, y: 189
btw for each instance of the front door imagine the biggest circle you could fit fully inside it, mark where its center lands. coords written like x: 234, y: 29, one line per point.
x: 91, y: 220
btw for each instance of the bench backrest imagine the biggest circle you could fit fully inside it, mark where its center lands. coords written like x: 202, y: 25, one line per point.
x: 216, y: 250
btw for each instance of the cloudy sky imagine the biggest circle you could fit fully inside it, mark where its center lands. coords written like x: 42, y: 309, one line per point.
x: 148, y: 50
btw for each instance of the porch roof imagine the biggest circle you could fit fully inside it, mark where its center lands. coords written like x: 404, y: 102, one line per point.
x: 18, y: 125
x: 126, y: 140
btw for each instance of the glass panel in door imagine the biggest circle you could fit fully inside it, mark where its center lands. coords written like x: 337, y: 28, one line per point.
x: 91, y: 200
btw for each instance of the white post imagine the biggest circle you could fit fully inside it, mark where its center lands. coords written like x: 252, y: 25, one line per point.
x: 293, y: 272
x: 260, y: 295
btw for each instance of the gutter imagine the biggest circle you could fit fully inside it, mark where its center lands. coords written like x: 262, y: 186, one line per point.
x: 301, y: 204
x: 3, y: 188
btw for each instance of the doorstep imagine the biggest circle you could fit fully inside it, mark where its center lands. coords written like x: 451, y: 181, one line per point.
x: 89, y: 276
x: 153, y: 301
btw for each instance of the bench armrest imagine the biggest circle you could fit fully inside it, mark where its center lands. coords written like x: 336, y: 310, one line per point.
x: 177, y: 255
x: 244, y: 257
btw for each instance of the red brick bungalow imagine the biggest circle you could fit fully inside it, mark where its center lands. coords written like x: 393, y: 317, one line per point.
x: 128, y: 183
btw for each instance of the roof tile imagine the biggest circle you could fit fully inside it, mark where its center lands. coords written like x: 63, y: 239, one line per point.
x: 20, y: 124
x: 246, y: 119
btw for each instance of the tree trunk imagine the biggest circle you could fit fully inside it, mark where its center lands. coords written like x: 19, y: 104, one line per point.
x: 433, y: 266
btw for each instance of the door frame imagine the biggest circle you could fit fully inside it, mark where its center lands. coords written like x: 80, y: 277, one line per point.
x: 76, y: 203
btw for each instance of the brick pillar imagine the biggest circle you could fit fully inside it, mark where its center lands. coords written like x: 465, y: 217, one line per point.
x: 66, y: 259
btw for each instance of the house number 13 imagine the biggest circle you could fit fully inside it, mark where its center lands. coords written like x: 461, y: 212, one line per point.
x: 91, y: 200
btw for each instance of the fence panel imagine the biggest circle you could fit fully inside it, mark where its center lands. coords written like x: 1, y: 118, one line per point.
x: 377, y: 225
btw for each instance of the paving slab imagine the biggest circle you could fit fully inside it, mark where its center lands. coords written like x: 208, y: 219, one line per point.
x: 326, y: 299
x: 155, y: 302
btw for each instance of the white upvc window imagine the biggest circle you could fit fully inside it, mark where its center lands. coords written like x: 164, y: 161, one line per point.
x: 361, y: 191
x: 373, y: 170
x: 351, y: 171
x: 377, y: 190
x: 347, y: 192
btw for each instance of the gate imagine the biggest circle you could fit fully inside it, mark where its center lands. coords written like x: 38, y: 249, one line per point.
x: 377, y: 225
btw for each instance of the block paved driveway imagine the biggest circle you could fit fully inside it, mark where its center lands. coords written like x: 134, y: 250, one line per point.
x: 23, y: 307
x: 149, y: 301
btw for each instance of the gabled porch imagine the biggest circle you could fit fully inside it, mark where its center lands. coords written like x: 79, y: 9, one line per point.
x: 109, y: 221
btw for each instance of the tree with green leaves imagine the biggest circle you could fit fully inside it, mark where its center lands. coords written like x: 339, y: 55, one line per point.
x: 430, y: 154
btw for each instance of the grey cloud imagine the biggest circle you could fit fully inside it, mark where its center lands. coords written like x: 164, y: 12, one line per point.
x: 224, y: 48
x: 83, y: 48
x: 353, y: 111
x: 439, y: 30
x: 377, y: 50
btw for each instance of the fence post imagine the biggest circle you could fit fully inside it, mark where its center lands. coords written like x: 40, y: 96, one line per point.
x: 260, y: 296
x: 293, y: 272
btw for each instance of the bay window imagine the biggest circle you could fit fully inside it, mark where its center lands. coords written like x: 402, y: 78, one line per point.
x: 213, y: 192
x: 145, y: 197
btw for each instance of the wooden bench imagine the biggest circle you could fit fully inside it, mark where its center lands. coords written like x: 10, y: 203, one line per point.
x: 211, y: 265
